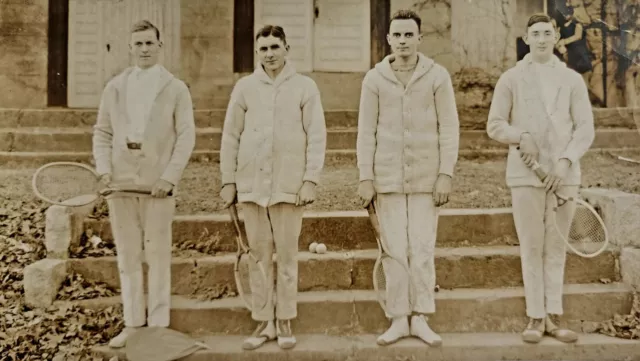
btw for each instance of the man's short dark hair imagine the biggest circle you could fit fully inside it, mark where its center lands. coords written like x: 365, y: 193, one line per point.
x: 407, y: 15
x: 144, y: 25
x: 272, y: 30
x: 538, y: 18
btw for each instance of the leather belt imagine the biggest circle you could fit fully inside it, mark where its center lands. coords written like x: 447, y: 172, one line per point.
x: 134, y: 145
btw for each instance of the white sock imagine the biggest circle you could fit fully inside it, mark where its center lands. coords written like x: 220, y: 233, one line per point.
x: 399, y: 329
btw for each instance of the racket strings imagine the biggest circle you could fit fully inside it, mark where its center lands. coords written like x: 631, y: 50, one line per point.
x: 586, y: 229
x: 67, y: 183
x: 252, y: 282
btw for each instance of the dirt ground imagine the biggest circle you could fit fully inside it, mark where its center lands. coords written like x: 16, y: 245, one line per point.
x: 477, y: 184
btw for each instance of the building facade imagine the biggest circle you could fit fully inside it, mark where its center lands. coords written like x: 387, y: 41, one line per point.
x: 61, y: 53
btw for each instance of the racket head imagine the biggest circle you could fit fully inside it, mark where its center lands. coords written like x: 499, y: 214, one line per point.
x: 380, y: 282
x: 383, y: 260
x: 251, y: 281
x: 588, y: 236
x: 67, y: 184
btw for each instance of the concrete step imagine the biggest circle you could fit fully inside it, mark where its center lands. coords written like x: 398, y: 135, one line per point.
x: 214, y: 118
x: 345, y: 230
x: 80, y: 139
x: 358, y: 312
x: 456, y: 347
x: 466, y: 267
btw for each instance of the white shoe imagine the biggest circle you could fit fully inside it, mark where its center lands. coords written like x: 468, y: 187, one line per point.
x: 399, y: 329
x: 420, y: 328
x: 121, y: 340
x: 286, y: 339
x: 266, y: 331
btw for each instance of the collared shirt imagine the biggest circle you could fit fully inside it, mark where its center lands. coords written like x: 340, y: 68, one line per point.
x: 141, y: 91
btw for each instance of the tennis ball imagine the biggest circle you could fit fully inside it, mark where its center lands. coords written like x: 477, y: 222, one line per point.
x: 321, y: 248
x: 312, y: 247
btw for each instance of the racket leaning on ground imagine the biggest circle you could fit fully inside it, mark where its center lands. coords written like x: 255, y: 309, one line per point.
x: 588, y: 236
x: 379, y: 278
x: 75, y: 184
x: 245, y: 257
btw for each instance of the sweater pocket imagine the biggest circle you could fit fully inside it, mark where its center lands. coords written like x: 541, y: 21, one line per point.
x: 291, y: 173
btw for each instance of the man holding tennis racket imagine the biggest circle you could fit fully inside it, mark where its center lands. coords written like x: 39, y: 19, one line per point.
x: 272, y: 154
x: 144, y: 135
x: 541, y: 109
x: 407, y: 149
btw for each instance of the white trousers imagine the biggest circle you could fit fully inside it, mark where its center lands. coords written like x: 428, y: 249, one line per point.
x: 143, y: 226
x: 408, y: 223
x: 279, y: 224
x: 542, y: 250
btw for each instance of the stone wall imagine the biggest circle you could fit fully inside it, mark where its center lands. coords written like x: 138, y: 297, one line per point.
x: 23, y: 53
x: 207, y: 50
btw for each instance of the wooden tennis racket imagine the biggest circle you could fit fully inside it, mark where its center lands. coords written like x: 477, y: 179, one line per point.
x: 588, y: 236
x: 384, y: 259
x: 75, y: 184
x: 245, y: 260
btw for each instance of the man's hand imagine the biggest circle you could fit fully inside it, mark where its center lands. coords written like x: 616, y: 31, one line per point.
x: 554, y: 179
x: 306, y: 194
x: 528, y: 149
x: 441, y: 190
x: 161, y: 189
x: 366, y: 192
x: 228, y: 194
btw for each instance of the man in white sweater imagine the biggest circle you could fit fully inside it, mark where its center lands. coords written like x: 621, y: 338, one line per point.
x: 542, y: 107
x: 144, y: 135
x: 272, y: 155
x: 407, y: 148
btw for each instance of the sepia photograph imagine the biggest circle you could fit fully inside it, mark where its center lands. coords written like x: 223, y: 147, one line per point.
x: 335, y: 180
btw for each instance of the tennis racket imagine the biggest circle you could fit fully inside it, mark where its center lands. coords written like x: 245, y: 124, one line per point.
x: 75, y: 184
x: 384, y: 258
x: 588, y: 236
x: 245, y: 260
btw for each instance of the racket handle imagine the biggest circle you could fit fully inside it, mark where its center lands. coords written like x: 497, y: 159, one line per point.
x: 537, y: 168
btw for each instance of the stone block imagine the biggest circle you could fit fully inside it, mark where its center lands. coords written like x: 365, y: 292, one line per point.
x: 42, y: 280
x: 63, y: 228
x: 620, y: 212
x: 630, y: 267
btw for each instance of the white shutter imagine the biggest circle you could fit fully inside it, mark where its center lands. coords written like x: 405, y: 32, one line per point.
x: 99, y: 36
x: 86, y: 53
x: 296, y: 18
x: 342, y: 40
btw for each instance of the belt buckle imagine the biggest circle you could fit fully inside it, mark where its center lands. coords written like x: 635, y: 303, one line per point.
x: 132, y: 145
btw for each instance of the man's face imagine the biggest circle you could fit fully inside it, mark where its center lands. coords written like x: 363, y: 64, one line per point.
x: 271, y: 52
x: 404, y: 37
x: 541, y: 38
x: 145, y: 48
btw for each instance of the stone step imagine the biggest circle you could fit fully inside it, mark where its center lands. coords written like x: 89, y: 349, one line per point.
x: 358, y: 312
x: 38, y: 158
x: 456, y: 347
x: 80, y: 139
x: 466, y: 267
x: 344, y: 230
x: 214, y: 118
